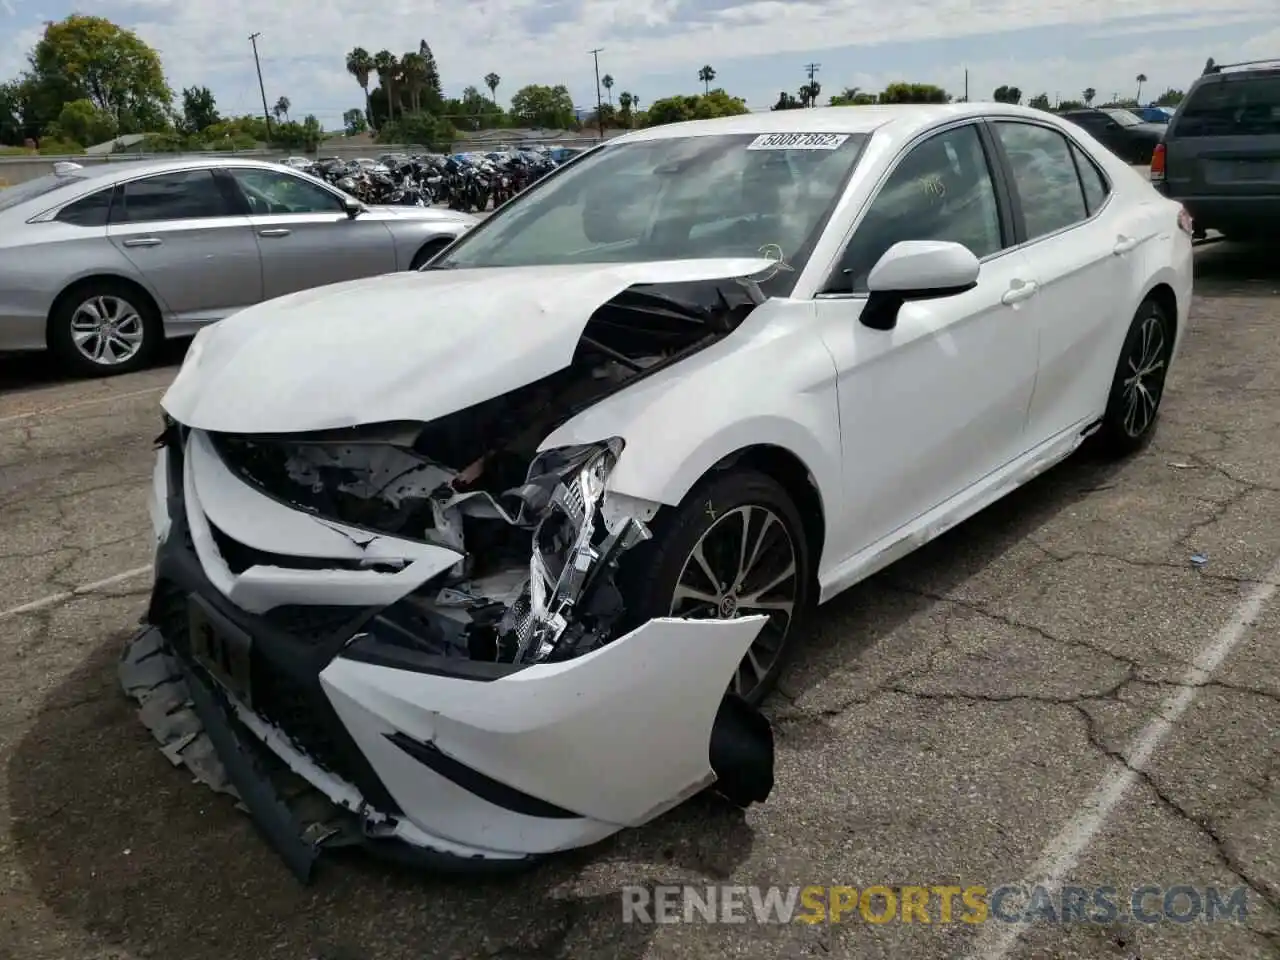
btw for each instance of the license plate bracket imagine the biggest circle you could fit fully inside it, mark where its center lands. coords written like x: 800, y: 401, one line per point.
x: 221, y: 648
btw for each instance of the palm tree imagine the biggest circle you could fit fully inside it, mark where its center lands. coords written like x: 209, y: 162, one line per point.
x: 1142, y: 78
x: 491, y: 80
x: 413, y: 78
x: 706, y: 75
x: 387, y: 66
x: 1089, y: 94
x: 360, y: 65
x: 607, y: 82
x: 282, y: 108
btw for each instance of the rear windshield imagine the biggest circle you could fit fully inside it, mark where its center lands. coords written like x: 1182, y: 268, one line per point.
x: 29, y: 190
x: 1232, y: 107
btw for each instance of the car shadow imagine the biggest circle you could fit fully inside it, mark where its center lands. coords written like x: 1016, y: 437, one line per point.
x: 20, y: 372
x: 118, y: 844
x: 1227, y: 269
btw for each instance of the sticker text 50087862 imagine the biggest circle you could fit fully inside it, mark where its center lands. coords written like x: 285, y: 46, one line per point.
x: 798, y: 141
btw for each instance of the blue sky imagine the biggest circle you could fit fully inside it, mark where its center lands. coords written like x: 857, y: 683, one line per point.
x: 655, y: 48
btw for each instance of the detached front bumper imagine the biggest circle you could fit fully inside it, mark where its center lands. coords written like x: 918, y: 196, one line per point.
x: 458, y: 763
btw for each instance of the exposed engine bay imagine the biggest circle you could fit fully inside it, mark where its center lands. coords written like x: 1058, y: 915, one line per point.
x: 538, y: 582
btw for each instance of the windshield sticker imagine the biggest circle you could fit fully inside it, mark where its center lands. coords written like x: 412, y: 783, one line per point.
x: 798, y: 141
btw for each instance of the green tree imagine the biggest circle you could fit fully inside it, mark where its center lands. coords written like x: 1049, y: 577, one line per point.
x: 678, y: 109
x: 434, y: 92
x: 388, y: 69
x: 538, y: 105
x: 1170, y: 98
x: 851, y: 97
x: 1088, y: 96
x: 305, y: 136
x: 199, y: 109
x: 13, y: 107
x: 1040, y: 101
x: 913, y: 93
x: 473, y: 111
x: 360, y: 65
x: 281, y: 109
x: 706, y: 75
x: 1007, y: 94
x: 90, y: 58
x: 786, y: 101
x: 1071, y: 105
x: 82, y: 122
x: 353, y: 121
x: 1141, y: 78
x: 413, y: 78
x: 424, y: 128
x: 491, y: 80
x: 626, y: 102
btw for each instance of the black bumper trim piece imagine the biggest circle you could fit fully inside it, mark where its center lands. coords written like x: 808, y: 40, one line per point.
x: 273, y: 818
x: 473, y: 781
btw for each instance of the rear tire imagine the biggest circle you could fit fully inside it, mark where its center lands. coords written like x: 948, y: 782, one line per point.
x: 104, y: 328
x: 666, y: 576
x: 1133, y: 405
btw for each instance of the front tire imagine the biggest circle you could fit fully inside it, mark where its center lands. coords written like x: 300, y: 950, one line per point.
x: 1137, y: 388
x: 735, y: 547
x: 104, y: 328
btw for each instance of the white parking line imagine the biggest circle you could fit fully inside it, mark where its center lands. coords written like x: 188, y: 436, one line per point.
x: 80, y: 591
x: 1063, y: 853
x: 81, y: 403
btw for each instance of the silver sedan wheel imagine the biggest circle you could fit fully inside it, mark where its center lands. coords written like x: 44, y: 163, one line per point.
x: 107, y: 330
x: 743, y: 565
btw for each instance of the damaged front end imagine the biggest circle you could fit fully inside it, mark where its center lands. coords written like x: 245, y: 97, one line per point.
x: 427, y: 622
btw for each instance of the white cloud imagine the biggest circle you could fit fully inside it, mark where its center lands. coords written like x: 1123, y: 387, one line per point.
x: 304, y: 42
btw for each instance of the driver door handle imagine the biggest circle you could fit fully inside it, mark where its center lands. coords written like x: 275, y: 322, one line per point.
x: 274, y: 232
x: 1124, y: 245
x: 143, y: 242
x: 1021, y: 290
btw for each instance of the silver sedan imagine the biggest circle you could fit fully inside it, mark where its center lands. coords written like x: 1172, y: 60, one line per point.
x: 100, y: 264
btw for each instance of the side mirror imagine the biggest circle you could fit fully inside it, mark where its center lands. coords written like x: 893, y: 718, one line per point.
x: 353, y: 207
x: 916, y: 270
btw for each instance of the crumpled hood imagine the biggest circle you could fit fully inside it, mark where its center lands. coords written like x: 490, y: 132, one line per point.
x: 405, y: 346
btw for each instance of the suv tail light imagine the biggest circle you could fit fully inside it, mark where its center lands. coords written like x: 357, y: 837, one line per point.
x: 1157, y: 162
x: 1185, y: 223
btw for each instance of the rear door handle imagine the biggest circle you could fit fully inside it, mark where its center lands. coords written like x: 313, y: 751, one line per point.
x: 1025, y: 291
x: 1124, y: 245
x: 143, y: 242
x: 274, y: 232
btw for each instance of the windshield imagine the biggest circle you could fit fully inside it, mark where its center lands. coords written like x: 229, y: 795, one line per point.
x: 673, y: 199
x: 1123, y: 117
x: 29, y: 190
x: 1237, y: 106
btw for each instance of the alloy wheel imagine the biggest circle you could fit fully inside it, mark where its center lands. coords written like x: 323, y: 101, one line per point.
x: 744, y: 564
x: 1144, y: 380
x: 107, y: 330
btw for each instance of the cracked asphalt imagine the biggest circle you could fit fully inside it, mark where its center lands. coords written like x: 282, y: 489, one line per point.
x: 945, y: 722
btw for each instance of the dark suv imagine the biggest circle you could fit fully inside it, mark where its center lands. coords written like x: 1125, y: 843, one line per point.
x: 1221, y: 153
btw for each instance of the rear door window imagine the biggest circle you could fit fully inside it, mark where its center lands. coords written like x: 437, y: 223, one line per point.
x: 1232, y: 107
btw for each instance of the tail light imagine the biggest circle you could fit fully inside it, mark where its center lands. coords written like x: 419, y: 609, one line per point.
x: 1157, y: 162
x: 1185, y: 223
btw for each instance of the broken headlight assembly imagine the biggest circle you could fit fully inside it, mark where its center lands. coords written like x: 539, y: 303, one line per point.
x: 571, y: 601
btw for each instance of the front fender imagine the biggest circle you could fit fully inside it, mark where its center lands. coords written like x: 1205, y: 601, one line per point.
x: 770, y: 383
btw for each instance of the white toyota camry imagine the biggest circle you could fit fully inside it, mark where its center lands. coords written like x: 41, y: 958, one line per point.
x: 501, y: 556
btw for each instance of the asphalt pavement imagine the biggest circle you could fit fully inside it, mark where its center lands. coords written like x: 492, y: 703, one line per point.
x: 1081, y: 686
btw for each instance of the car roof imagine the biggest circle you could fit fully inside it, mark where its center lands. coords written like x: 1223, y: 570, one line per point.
x: 901, y: 121
x: 127, y: 169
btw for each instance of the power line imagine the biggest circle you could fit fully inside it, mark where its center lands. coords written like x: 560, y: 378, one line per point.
x: 811, y: 69
x: 266, y: 114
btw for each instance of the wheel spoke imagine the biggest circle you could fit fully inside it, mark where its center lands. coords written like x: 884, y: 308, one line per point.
x: 684, y: 592
x: 755, y: 596
x: 699, y: 557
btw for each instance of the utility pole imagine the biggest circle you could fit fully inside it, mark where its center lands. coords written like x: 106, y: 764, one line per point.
x: 811, y: 69
x: 266, y: 114
x: 595, y: 54
x: 966, y: 84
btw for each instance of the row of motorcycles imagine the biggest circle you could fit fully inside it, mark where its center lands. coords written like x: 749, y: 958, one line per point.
x: 471, y: 182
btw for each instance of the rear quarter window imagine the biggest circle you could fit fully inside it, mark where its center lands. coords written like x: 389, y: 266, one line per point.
x: 1232, y: 107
